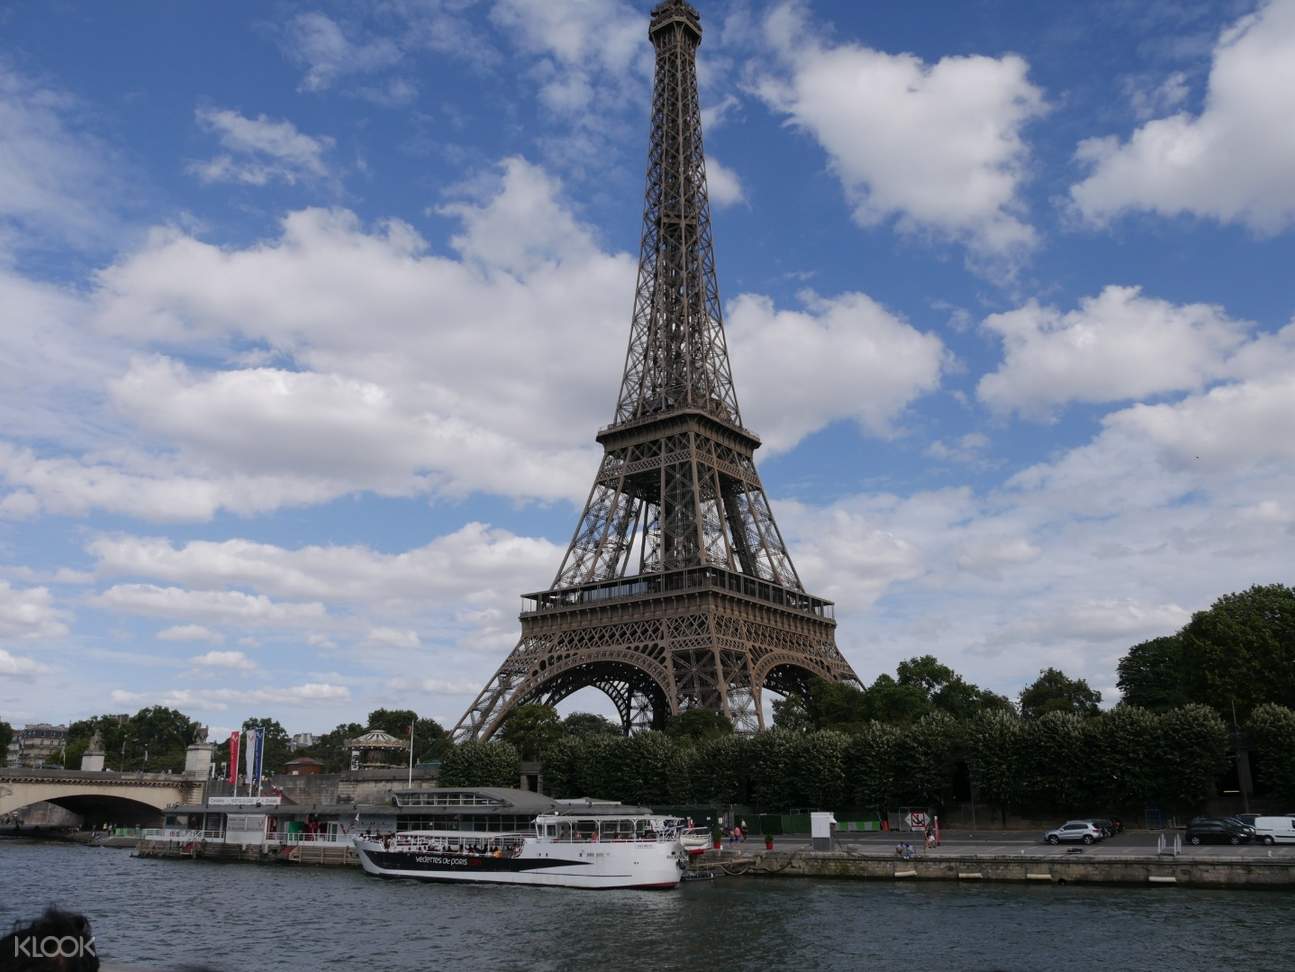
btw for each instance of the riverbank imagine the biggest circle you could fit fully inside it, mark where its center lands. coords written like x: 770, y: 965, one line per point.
x: 1196, y: 870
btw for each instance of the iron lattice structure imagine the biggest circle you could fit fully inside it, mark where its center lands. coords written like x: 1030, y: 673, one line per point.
x: 677, y: 591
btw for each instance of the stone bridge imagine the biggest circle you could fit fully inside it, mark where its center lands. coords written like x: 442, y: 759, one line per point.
x: 135, y: 798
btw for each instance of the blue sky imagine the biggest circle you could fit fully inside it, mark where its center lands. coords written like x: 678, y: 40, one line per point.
x: 309, y: 313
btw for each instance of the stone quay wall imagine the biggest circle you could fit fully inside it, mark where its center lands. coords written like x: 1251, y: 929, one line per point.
x: 1187, y: 871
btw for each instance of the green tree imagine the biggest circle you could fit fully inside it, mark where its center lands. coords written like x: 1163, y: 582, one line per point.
x: 581, y: 766
x: 717, y: 770
x: 872, y: 766
x: 278, y: 744
x: 835, y: 705
x: 698, y: 725
x: 430, y: 737
x: 532, y: 729
x: 996, y: 751
x: 945, y: 689
x: 155, y: 738
x: 589, y: 724
x: 1241, y: 652
x: 331, y: 749
x: 926, y: 673
x: 893, y: 703
x: 480, y: 764
x: 792, y: 714
x: 430, y: 740
x: 6, y: 737
x: 1059, y: 770
x: 926, y: 753
x: 647, y: 768
x: 1271, y: 733
x: 1054, y: 691
x: 818, y: 770
x: 1193, y: 752
x: 771, y: 759
x: 1122, y: 753
x: 1151, y: 675
x: 112, y: 733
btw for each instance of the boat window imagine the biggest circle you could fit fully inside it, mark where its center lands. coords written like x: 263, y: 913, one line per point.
x: 564, y: 830
x: 585, y: 829
x: 552, y: 830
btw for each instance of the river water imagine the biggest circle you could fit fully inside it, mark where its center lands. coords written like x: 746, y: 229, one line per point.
x: 161, y: 914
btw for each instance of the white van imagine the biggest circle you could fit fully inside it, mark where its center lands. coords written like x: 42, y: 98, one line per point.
x: 1275, y: 830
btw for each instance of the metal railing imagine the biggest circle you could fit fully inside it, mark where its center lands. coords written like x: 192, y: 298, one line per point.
x: 689, y: 579
x: 178, y: 835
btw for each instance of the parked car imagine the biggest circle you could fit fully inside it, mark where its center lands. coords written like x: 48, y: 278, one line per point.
x: 1218, y: 830
x: 1271, y: 830
x: 1108, y: 826
x: 1076, y: 830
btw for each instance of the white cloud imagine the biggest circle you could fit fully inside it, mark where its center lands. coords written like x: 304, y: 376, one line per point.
x: 474, y: 569
x: 393, y: 637
x: 56, y: 186
x: 148, y: 489
x: 1074, y: 560
x: 1116, y: 346
x: 220, y: 607
x: 1234, y: 162
x: 968, y: 448
x: 587, y: 48
x: 449, y: 686
x: 260, y: 150
x: 723, y: 184
x: 937, y: 146
x: 16, y: 666
x: 190, y: 632
x: 327, y: 408
x: 852, y: 358
x: 219, y: 700
x: 225, y: 659
x: 1228, y: 426
x: 1149, y: 98
x: 317, y: 43
x: 29, y: 613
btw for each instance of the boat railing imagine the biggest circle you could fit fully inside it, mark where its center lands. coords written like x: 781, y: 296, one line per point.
x: 301, y: 837
x: 180, y: 834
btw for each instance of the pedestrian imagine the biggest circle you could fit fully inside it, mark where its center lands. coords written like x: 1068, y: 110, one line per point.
x: 930, y: 836
x: 744, y: 830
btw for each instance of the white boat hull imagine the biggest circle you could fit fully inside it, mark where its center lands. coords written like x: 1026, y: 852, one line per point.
x: 590, y: 865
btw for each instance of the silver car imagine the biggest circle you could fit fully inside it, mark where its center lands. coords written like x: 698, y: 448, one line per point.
x: 1076, y: 830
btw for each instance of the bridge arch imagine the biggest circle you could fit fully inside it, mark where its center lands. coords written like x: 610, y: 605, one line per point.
x: 131, y: 793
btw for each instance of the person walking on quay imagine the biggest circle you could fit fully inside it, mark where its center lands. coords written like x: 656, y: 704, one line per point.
x: 743, y: 828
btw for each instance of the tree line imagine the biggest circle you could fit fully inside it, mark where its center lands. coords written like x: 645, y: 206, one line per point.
x: 156, y: 739
x: 926, y: 735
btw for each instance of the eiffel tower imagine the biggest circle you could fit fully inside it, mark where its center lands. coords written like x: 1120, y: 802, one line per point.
x: 677, y: 591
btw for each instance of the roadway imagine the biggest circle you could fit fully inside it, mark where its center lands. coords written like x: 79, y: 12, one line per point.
x: 1134, y: 843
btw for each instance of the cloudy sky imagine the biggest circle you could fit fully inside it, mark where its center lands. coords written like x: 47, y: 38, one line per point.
x: 309, y: 313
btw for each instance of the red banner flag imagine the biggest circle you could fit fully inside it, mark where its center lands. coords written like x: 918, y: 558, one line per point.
x: 233, y: 757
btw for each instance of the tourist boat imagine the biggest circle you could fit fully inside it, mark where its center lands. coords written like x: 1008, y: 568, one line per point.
x: 630, y: 849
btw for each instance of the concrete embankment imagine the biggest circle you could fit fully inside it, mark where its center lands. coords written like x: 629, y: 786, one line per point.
x: 315, y: 854
x: 1152, y: 870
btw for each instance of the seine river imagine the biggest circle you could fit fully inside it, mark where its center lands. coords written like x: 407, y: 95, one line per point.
x: 156, y: 914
